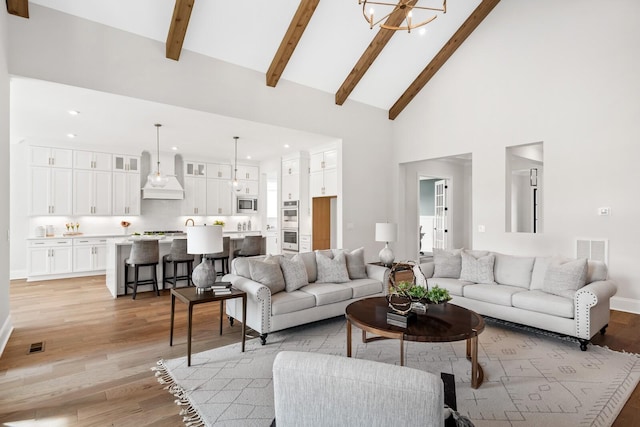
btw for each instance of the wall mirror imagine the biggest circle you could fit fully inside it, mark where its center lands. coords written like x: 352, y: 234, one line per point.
x: 524, y: 188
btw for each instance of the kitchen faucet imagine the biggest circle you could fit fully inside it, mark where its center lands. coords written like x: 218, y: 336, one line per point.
x: 187, y: 222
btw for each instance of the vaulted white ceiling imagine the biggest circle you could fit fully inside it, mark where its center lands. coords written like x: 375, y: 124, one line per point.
x: 247, y: 33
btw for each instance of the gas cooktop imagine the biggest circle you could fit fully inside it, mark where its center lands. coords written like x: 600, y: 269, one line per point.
x: 164, y: 232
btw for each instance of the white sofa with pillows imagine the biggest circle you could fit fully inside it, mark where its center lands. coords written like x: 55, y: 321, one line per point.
x: 284, y: 291
x: 562, y: 295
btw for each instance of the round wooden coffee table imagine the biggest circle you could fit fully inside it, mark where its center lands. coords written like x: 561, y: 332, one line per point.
x: 441, y: 323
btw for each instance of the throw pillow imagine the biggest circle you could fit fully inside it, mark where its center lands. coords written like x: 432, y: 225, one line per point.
x: 309, y: 259
x: 268, y: 274
x: 355, y: 264
x: 294, y: 272
x: 326, y: 252
x: 477, y: 270
x: 447, y: 263
x: 332, y: 270
x: 565, y: 276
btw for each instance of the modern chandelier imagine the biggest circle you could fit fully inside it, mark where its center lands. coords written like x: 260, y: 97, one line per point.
x: 236, y: 186
x: 404, y: 7
x: 157, y: 179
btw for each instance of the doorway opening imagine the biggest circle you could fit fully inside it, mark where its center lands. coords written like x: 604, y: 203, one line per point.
x: 433, y: 214
x: 325, y: 220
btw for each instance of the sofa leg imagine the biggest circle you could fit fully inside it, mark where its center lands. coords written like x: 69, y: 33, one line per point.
x: 230, y: 320
x: 583, y: 344
x: 263, y: 339
x: 604, y: 329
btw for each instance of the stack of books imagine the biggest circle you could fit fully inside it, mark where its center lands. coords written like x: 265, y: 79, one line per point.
x: 221, y: 288
x: 400, y: 320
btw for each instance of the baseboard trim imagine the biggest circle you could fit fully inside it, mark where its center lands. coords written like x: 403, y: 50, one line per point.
x: 625, y: 304
x: 5, y: 333
x: 17, y: 274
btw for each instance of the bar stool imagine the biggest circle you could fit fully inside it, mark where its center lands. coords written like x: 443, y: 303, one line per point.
x: 144, y: 253
x: 223, y: 257
x: 178, y: 255
x: 251, y: 246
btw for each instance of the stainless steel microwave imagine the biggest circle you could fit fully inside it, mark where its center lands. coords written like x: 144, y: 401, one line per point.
x: 246, y: 205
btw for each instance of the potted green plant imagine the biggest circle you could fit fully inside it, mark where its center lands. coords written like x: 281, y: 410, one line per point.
x: 438, y: 295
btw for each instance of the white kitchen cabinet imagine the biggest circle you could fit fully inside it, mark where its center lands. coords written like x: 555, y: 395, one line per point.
x: 248, y: 172
x: 219, y: 171
x: 92, y: 192
x: 324, y: 183
x: 323, y: 160
x: 123, y: 163
x: 91, y: 160
x: 290, y: 167
x: 272, y: 245
x: 50, y: 191
x: 249, y: 188
x: 218, y: 197
x: 195, y: 196
x: 192, y: 168
x: 290, y: 187
x: 126, y: 193
x: 53, y: 157
x: 305, y: 243
x: 49, y: 256
x: 89, y: 255
x: 323, y: 179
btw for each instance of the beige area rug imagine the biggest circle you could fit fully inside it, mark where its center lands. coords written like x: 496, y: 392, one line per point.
x: 530, y: 377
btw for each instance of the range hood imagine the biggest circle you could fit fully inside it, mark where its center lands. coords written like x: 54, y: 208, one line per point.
x: 173, y: 190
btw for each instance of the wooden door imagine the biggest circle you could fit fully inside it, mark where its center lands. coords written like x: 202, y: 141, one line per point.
x: 321, y: 223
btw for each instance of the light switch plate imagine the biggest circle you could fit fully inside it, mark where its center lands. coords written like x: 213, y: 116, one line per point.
x: 604, y: 211
x: 481, y: 229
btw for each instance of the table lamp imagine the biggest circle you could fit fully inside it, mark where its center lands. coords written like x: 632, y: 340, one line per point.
x: 386, y: 232
x: 201, y: 240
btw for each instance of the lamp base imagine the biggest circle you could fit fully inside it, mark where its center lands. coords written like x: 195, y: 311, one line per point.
x: 204, y: 275
x: 386, y: 256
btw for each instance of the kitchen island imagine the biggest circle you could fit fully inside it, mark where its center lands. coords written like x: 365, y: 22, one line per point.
x: 118, y: 249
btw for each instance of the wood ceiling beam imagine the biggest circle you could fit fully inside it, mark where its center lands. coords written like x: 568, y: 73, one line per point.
x: 18, y: 8
x: 370, y: 54
x: 290, y: 41
x: 178, y: 30
x: 441, y: 57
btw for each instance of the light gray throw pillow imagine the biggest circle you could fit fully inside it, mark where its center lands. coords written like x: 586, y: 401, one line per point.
x: 477, y: 270
x: 447, y: 263
x: 355, y: 263
x: 268, y: 273
x: 332, y: 270
x: 565, y: 276
x: 294, y: 272
x: 309, y: 259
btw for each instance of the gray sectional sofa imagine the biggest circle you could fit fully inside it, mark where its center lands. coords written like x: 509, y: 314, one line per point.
x: 289, y: 291
x: 566, y: 296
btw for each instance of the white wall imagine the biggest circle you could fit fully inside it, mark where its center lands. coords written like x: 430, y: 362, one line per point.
x: 5, y: 315
x: 65, y: 49
x: 560, y: 72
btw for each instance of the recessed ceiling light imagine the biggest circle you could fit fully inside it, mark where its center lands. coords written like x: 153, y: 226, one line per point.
x: 422, y: 31
x: 286, y: 145
x: 248, y: 157
x: 71, y: 135
x: 174, y: 148
x: 74, y: 112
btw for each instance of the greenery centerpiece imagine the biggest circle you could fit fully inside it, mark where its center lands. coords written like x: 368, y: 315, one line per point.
x: 407, y: 296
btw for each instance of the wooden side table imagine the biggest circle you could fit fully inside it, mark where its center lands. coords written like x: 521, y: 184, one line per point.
x: 191, y: 297
x: 399, y: 272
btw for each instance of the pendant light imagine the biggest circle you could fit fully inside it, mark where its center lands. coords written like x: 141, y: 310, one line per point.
x: 236, y: 186
x: 157, y: 179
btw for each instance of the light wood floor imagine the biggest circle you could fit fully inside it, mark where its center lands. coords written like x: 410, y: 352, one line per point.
x: 95, y: 370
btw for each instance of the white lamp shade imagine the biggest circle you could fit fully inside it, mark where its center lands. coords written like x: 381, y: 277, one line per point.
x: 386, y: 232
x: 204, y: 239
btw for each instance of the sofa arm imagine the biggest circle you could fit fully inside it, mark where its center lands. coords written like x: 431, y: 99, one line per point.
x: 427, y: 269
x: 592, y: 307
x: 379, y: 273
x: 258, y: 302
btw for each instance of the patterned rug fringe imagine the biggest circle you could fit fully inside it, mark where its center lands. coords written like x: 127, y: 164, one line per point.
x: 190, y: 416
